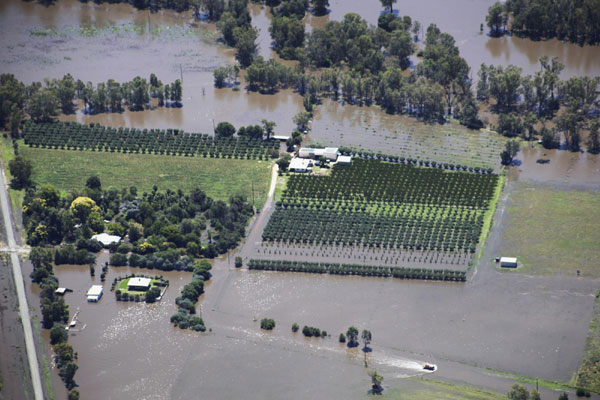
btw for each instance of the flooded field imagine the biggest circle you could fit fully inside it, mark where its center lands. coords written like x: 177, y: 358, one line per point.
x: 534, y: 326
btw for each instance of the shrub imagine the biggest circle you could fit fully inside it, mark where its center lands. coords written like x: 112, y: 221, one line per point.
x: 342, y: 338
x: 267, y: 324
x: 238, y: 262
x: 295, y: 327
x: 118, y: 259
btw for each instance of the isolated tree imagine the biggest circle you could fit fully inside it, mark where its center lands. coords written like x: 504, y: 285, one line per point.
x: 224, y: 129
x: 352, y: 335
x: 284, y: 162
x: 20, y: 169
x: 518, y: 392
x: 376, y: 381
x: 366, y: 337
x: 238, y: 262
x: 301, y: 120
x: 342, y: 338
x: 93, y: 182
x: 268, y: 128
x: 388, y: 4
x: 510, y: 150
x: 496, y: 18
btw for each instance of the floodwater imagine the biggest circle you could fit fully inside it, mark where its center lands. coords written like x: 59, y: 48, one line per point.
x: 534, y: 326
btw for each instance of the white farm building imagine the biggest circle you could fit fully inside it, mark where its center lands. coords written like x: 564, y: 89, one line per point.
x: 508, y: 262
x: 300, y: 165
x: 139, y: 284
x: 330, y: 153
x: 94, y: 294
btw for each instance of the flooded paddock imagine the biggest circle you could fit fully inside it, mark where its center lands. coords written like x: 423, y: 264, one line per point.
x: 532, y: 326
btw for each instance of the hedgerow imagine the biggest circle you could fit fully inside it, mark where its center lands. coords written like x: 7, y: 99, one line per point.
x: 358, y: 269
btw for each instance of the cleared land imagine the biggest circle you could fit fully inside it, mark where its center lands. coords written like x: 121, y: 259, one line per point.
x: 399, y: 135
x: 219, y: 178
x: 553, y: 231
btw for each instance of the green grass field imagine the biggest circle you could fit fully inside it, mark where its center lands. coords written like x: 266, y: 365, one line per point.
x: 219, y: 178
x: 123, y: 287
x: 552, y: 231
x: 425, y: 389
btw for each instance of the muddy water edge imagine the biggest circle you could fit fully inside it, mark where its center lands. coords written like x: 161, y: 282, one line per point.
x: 129, y: 350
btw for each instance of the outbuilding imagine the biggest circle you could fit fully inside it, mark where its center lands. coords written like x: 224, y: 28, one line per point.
x: 306, y: 152
x: 107, y: 239
x: 94, y: 294
x: 331, y: 153
x: 344, y: 160
x: 508, y: 262
x: 138, y: 284
x: 300, y: 165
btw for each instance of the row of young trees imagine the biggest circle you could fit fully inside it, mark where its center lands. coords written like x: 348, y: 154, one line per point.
x: 575, y: 21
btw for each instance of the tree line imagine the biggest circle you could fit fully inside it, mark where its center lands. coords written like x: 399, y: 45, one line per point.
x: 44, y: 101
x: 576, y: 21
x: 542, y: 104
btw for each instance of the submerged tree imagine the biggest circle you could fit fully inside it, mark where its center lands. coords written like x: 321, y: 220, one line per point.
x: 388, y: 4
x: 352, y: 335
x: 376, y: 381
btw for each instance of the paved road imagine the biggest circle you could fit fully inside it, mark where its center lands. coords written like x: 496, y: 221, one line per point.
x: 18, y: 276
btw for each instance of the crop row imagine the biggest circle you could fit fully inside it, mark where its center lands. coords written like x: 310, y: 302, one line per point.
x: 381, y: 181
x: 458, y: 232
x: 370, y: 155
x: 357, y: 269
x: 75, y: 136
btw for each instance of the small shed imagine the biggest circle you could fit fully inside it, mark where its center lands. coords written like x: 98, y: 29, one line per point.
x: 94, y: 294
x: 344, y: 160
x: 300, y: 165
x: 508, y: 262
x: 107, y: 239
x: 139, y: 284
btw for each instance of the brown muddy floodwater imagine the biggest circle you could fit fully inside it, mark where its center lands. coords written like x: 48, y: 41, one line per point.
x: 533, y: 326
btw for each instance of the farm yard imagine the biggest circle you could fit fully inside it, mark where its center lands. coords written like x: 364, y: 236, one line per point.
x: 373, y: 130
x: 382, y: 213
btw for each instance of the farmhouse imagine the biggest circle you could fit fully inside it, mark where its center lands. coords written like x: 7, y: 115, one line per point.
x: 508, y: 262
x: 138, y: 284
x: 107, y: 239
x: 300, y: 165
x: 94, y: 294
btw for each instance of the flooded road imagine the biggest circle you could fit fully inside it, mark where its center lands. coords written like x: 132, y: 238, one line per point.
x: 521, y: 324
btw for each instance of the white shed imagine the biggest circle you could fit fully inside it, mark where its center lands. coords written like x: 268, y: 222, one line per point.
x: 306, y: 152
x: 94, y: 294
x: 139, y: 284
x: 508, y: 262
x: 344, y: 160
x: 107, y: 239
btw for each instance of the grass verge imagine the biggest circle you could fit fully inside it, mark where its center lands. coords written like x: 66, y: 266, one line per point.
x: 219, y: 178
x: 16, y: 196
x: 588, y: 375
x: 425, y: 389
x: 553, y: 231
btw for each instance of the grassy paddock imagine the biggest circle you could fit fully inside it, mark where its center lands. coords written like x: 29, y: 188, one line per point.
x: 552, y: 231
x: 124, y: 288
x: 219, y: 178
x: 425, y: 389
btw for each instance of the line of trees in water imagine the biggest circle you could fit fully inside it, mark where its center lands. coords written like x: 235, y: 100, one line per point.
x: 44, y: 101
x: 576, y: 21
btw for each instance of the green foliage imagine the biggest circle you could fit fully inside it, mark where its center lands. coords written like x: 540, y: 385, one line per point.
x: 288, y: 35
x: 21, y: 170
x: 238, y: 262
x: 352, y: 335
x: 510, y: 150
x: 342, y: 338
x: 518, y: 392
x: 224, y: 130
x: 74, y: 136
x: 295, y: 327
x: 496, y: 19
x: 73, y: 394
x: 58, y: 334
x: 43, y: 105
x: 320, y: 6
x: 379, y: 204
x: 245, y: 44
x: 152, y: 294
x: 509, y: 125
x: 12, y: 97
x: 310, y: 331
x: 563, y: 396
x: 267, y: 324
x: 118, y: 260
